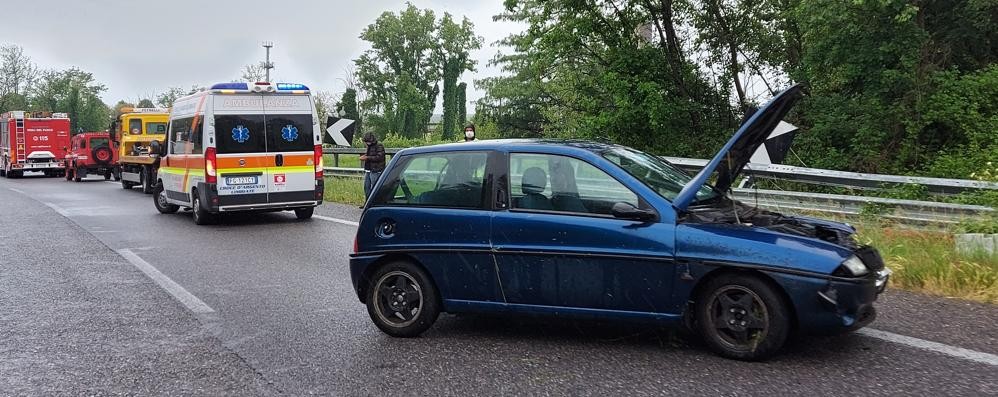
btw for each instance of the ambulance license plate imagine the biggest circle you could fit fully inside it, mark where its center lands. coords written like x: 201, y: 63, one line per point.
x: 241, y: 180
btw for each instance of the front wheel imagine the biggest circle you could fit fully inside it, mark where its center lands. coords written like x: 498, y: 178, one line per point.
x: 402, y: 300
x: 304, y: 213
x: 159, y: 199
x: 742, y: 317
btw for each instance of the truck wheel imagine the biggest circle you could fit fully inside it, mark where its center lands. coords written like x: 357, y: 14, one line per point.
x: 159, y: 198
x: 304, y: 213
x: 146, y: 182
x: 201, y: 216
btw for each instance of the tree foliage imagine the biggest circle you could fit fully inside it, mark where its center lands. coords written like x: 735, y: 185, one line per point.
x: 75, y: 92
x: 167, y: 98
x: 401, y: 73
x: 896, y: 86
x: 17, y: 75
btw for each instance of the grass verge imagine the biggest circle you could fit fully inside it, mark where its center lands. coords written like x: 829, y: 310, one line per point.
x: 344, y: 190
x: 927, y: 261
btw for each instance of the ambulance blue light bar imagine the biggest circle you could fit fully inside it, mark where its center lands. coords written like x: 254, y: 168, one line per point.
x: 291, y: 87
x: 230, y: 86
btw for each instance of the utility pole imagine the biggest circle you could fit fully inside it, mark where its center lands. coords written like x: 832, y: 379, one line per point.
x: 267, y: 65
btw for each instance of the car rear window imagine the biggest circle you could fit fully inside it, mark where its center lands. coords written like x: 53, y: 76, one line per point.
x: 240, y: 134
x: 290, y: 133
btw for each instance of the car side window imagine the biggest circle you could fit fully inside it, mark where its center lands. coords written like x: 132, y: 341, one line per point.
x: 180, y: 131
x: 454, y: 180
x: 546, y: 182
x: 135, y: 127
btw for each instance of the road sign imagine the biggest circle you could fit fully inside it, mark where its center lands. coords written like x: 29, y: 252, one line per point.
x: 341, y: 130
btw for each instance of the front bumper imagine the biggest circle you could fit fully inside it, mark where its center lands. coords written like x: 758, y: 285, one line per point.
x: 834, y: 305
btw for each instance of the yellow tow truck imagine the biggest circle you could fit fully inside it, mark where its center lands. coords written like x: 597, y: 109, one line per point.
x: 133, y: 133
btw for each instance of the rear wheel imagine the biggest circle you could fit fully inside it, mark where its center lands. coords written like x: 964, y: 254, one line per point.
x: 201, y: 216
x: 742, y: 317
x: 159, y: 198
x: 304, y: 213
x: 402, y: 300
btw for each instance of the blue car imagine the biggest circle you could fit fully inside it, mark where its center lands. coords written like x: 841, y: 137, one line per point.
x: 584, y: 229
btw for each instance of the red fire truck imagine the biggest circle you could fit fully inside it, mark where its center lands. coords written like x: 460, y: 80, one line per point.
x: 33, y: 141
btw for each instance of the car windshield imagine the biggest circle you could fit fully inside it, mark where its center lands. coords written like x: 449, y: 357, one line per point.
x: 662, y: 177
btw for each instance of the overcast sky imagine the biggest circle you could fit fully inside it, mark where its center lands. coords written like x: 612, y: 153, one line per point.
x: 139, y: 48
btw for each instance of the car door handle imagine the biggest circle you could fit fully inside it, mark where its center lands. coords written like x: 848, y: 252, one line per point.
x: 279, y: 160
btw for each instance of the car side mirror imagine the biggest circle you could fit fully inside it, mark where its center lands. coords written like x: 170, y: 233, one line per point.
x: 628, y: 211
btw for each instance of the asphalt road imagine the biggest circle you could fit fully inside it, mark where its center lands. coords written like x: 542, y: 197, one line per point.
x: 101, y: 294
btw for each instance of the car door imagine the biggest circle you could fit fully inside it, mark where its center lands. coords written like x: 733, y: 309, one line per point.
x: 434, y: 207
x: 558, y: 244
x: 291, y: 146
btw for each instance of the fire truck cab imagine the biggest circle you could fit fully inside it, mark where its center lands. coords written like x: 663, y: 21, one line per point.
x: 33, y: 141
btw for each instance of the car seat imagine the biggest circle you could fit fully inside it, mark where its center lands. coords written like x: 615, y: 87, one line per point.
x: 532, y: 184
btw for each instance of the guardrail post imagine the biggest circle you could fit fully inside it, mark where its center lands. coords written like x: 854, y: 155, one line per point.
x: 336, y: 159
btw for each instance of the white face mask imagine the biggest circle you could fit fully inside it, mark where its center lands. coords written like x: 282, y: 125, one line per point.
x: 469, y: 134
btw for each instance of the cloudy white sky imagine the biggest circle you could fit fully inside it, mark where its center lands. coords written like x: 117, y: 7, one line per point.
x: 138, y: 48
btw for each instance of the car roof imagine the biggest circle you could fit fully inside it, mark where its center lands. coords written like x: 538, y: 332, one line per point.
x: 554, y: 146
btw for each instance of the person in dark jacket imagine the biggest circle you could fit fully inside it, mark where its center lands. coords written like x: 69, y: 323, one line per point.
x: 374, y: 162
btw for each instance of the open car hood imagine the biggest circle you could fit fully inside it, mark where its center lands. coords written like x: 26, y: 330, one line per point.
x: 735, y: 154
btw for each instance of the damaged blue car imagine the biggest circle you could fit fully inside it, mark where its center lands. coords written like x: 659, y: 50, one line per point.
x: 584, y: 229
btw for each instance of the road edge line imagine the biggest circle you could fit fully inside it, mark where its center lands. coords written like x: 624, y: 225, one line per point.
x: 181, y: 294
x: 336, y: 220
x: 952, y: 351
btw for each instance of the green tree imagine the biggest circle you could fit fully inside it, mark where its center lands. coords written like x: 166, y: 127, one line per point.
x: 462, y: 105
x: 75, y: 92
x: 167, y: 98
x: 455, y: 42
x: 347, y: 108
x: 145, y: 103
x: 17, y: 75
x: 583, y: 69
x: 400, y: 75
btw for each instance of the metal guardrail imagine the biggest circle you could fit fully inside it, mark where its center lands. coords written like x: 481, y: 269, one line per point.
x: 910, y: 212
x: 816, y: 176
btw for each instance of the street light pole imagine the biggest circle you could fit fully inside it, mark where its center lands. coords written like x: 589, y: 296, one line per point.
x: 267, y: 65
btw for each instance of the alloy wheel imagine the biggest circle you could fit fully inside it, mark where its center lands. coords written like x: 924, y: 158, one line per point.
x: 399, y: 299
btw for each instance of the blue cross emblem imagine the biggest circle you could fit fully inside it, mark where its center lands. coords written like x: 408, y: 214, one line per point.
x: 240, y: 134
x: 289, y: 133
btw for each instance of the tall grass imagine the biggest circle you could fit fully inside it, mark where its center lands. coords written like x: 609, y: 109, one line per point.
x: 344, y: 190
x: 927, y: 261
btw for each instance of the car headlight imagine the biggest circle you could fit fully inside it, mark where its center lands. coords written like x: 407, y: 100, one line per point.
x: 854, y: 266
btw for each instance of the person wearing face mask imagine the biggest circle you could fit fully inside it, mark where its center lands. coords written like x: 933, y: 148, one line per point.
x: 469, y: 133
x: 374, y: 162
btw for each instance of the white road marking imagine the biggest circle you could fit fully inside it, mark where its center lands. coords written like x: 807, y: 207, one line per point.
x: 923, y: 344
x: 186, y: 298
x: 337, y: 220
x: 60, y: 210
x: 17, y: 190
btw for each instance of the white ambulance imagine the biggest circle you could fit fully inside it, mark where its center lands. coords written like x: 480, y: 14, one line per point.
x: 242, y: 147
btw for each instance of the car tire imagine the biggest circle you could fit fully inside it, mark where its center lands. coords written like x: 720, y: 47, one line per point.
x: 402, y: 300
x: 147, y: 184
x: 304, y: 213
x: 201, y: 216
x: 742, y: 317
x: 159, y: 200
